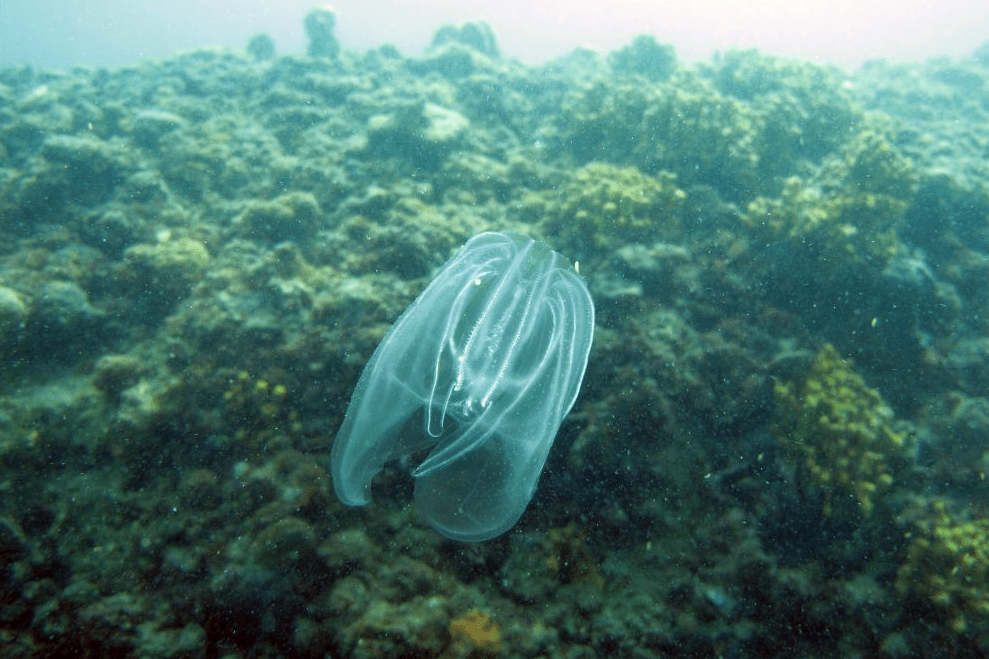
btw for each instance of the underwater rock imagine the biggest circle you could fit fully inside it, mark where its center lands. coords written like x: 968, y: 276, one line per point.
x: 602, y: 207
x: 655, y: 266
x: 953, y: 438
x: 139, y: 406
x: 947, y: 564
x: 291, y: 216
x: 91, y: 167
x: 474, y: 634
x: 442, y: 124
x: 319, y: 24
x: 423, y: 133
x: 63, y: 310
x: 159, y: 275
x: 347, y: 551
x: 246, y: 605
x: 14, y: 547
x: 135, y: 624
x: 115, y: 373
x: 13, y: 314
x: 201, y: 489
x: 848, y: 216
x: 413, y: 628
x: 261, y: 47
x: 71, y: 172
x: 149, y: 126
x: 110, y: 231
x: 842, y: 432
x: 452, y: 61
x: 477, y: 35
x: 645, y: 57
x: 286, y: 545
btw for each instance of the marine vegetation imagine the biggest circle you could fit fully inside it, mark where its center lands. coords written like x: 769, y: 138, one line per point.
x: 837, y: 428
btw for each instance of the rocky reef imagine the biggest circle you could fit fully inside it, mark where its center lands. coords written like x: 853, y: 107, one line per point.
x: 782, y: 443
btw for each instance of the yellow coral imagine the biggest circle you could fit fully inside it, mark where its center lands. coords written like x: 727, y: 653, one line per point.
x: 604, y: 205
x: 852, y: 208
x: 475, y: 634
x: 840, y: 429
x: 948, y: 563
x: 251, y: 403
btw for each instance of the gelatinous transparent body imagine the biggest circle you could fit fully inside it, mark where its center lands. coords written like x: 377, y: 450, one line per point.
x: 482, y: 368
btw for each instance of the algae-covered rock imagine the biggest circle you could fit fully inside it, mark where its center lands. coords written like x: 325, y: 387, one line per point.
x: 285, y: 545
x: 837, y: 235
x: 452, y: 60
x: 476, y: 35
x: 71, y: 171
x: 947, y: 567
x: 140, y: 406
x: 111, y: 230
x: 149, y: 126
x: 62, y: 311
x: 115, y: 373
x: 140, y: 626
x: 348, y: 551
x: 13, y: 314
x: 221, y: 154
x: 201, y: 489
x: 645, y: 57
x: 849, y: 214
x: 603, y: 206
x: 410, y: 238
x: 291, y: 216
x: 805, y: 111
x: 474, y: 634
x: 952, y: 435
x: 837, y: 428
x: 739, y: 128
x: 319, y: 24
x: 474, y: 177
x: 91, y: 162
x: 161, y: 274
x: 261, y: 47
x: 418, y: 627
x: 601, y: 120
x: 422, y: 133
x: 542, y: 562
x: 246, y: 606
x: 654, y: 267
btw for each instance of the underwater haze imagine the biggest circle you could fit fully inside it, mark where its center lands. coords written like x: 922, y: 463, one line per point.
x: 445, y: 337
x: 54, y: 33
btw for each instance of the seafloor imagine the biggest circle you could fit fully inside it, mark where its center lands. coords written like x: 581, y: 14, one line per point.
x: 782, y: 441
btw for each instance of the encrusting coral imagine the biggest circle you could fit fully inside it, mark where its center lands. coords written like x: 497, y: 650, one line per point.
x: 849, y: 214
x: 840, y: 429
x: 603, y: 206
x: 474, y: 634
x: 948, y: 564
